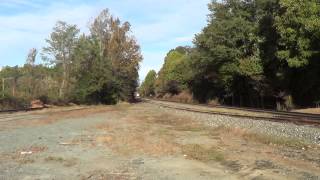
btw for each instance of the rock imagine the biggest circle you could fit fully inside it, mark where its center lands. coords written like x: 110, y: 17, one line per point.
x: 26, y: 152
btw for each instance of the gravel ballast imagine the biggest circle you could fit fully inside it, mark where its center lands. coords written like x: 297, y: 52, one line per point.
x: 305, y: 133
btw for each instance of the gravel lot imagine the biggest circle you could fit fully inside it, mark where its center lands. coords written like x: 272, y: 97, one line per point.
x: 143, y: 141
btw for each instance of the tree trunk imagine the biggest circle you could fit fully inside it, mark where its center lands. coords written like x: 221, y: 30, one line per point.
x: 278, y: 104
x: 262, y: 102
x: 64, y: 76
x: 14, y: 88
x: 232, y: 99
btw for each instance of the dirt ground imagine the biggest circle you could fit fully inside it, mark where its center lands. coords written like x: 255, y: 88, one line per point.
x: 141, y: 141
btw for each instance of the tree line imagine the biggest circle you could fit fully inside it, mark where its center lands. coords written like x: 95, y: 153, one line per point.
x: 98, y: 67
x: 257, y: 53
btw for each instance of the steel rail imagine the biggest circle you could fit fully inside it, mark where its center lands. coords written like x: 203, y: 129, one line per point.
x: 292, y: 119
x: 280, y: 113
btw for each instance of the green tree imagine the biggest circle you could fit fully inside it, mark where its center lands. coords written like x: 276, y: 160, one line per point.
x: 106, y: 62
x: 92, y: 73
x: 60, y: 48
x: 148, y: 86
x: 227, y: 59
x: 298, y: 26
x: 10, y: 76
x: 118, y: 46
x: 101, y: 67
x: 172, y: 76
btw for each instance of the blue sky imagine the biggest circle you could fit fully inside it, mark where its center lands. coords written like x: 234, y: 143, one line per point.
x: 158, y: 25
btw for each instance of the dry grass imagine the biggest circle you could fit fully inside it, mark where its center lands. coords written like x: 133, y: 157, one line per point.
x: 191, y: 127
x: 176, y: 123
x: 197, y: 152
x: 77, y: 113
x: 184, y: 97
x: 220, y: 130
x: 50, y: 116
x: 23, y: 159
x: 36, y: 149
x: 54, y: 159
x: 257, y: 137
x: 26, y: 161
x: 138, y: 144
x: 104, y: 126
x: 135, y: 135
x: 274, y: 140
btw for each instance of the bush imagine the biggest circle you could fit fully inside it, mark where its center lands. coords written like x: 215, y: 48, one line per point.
x: 9, y: 102
x: 184, y: 97
x: 45, y: 99
x: 59, y: 102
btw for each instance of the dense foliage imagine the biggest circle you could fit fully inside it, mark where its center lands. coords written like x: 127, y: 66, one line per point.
x: 99, y: 67
x: 259, y: 53
x: 147, y: 88
x: 172, y: 76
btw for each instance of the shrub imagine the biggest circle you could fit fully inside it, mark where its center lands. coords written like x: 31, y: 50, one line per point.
x: 184, y: 97
x: 9, y: 102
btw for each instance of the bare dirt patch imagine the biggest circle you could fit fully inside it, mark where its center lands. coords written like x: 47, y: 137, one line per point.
x: 73, y: 114
x: 133, y: 139
x: 24, y: 155
x: 50, y: 116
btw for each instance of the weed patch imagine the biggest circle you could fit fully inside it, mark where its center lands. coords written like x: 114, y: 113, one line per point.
x: 66, y: 162
x: 268, y: 139
x: 260, y: 138
x: 54, y: 159
x: 197, y: 152
x: 192, y: 128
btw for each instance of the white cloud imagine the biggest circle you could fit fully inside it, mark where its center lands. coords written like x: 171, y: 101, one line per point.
x: 17, y: 3
x: 21, y: 32
x: 159, y: 25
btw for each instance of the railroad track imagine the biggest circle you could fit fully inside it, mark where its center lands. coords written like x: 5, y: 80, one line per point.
x: 268, y: 115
